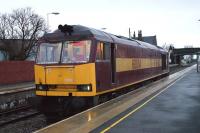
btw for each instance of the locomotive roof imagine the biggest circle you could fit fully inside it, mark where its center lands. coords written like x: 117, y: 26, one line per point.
x: 79, y: 30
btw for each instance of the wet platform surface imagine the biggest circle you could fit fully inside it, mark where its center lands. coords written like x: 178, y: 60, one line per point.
x: 176, y: 110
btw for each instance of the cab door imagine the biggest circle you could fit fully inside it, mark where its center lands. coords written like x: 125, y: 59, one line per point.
x: 104, y: 73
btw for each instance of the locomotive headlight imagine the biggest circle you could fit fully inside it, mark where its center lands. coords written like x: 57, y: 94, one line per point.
x: 84, y: 87
x: 41, y: 87
x: 88, y: 88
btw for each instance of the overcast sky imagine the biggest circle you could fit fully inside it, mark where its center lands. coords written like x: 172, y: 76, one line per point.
x: 172, y: 21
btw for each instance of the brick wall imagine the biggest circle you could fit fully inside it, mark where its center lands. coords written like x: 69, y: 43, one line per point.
x: 16, y: 72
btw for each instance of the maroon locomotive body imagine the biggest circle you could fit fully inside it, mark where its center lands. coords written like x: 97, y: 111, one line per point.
x: 130, y: 62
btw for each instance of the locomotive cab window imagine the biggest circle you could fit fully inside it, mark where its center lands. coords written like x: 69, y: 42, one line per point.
x: 103, y: 51
x: 76, y: 51
x: 49, y: 53
x: 66, y: 52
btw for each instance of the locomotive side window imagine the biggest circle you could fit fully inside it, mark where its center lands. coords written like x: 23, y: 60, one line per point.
x: 99, y: 53
x: 106, y: 51
x: 103, y: 51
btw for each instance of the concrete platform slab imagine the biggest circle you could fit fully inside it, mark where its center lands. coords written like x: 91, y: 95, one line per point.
x: 12, y: 88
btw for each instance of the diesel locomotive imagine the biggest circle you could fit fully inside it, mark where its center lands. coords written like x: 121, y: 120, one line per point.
x: 77, y: 62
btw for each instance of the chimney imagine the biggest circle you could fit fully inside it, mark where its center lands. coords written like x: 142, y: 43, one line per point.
x: 134, y: 35
x: 140, y: 35
x: 129, y: 32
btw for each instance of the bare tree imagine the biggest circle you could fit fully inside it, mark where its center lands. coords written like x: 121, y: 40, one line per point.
x: 168, y: 47
x: 22, y: 28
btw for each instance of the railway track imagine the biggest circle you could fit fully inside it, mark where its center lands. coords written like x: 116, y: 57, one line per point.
x: 16, y: 115
x: 14, y: 110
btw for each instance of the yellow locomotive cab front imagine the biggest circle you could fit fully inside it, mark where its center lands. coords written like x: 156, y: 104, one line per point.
x: 62, y: 69
x: 78, y: 80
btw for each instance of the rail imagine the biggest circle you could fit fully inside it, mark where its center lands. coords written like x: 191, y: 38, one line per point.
x: 17, y: 115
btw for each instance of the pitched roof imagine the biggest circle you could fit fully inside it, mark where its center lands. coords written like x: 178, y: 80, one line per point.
x: 150, y: 39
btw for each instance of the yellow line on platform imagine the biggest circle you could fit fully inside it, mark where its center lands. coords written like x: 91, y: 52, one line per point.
x: 136, y: 109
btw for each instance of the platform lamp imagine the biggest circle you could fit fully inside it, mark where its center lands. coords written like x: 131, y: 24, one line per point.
x: 54, y: 13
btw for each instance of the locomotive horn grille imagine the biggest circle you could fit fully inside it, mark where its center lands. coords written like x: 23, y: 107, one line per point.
x: 66, y: 29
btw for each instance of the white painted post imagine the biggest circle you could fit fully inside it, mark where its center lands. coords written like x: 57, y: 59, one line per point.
x: 197, y: 62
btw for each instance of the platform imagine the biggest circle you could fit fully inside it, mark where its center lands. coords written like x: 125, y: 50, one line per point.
x: 16, y: 95
x: 11, y: 88
x: 175, y: 110
x: 157, y: 107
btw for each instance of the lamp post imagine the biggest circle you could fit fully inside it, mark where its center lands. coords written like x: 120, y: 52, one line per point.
x: 197, y: 63
x: 54, y: 13
x: 198, y: 58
